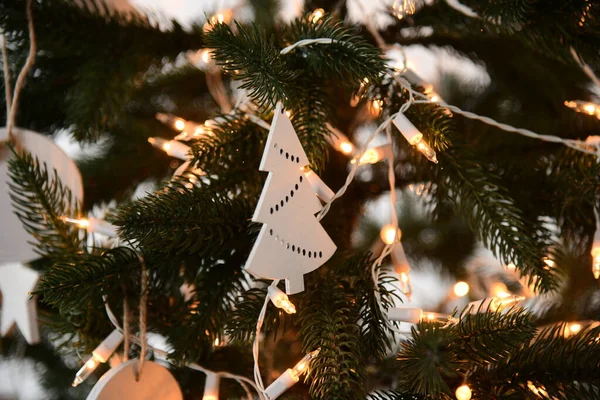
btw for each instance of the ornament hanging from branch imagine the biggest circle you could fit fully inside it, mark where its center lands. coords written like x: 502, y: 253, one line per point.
x: 291, y: 242
x: 18, y: 307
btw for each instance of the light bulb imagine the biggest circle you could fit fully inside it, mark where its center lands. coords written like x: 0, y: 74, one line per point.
x: 596, y: 261
x: 84, y: 372
x: 375, y: 154
x: 540, y: 391
x: 549, y: 263
x: 511, y: 266
x: 376, y: 106
x: 81, y: 223
x: 281, y: 300
x: 347, y: 148
x: 316, y: 15
x: 414, y: 136
x: 427, y: 151
x: 504, y: 300
x: 584, y: 107
x: 389, y: 234
x: 405, y: 286
x: 94, y: 225
x: 402, y: 8
x: 499, y: 289
x: 461, y: 288
x: 304, y: 363
x: 171, y: 147
x: 463, y: 392
x: 179, y: 124
x: 571, y: 329
x: 438, y: 317
x: 101, y: 354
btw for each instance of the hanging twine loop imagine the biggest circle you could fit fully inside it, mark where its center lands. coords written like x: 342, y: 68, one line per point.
x: 143, y: 315
x: 12, y: 102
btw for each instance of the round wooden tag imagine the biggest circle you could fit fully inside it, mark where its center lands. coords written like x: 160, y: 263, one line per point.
x: 14, y: 240
x: 155, y: 382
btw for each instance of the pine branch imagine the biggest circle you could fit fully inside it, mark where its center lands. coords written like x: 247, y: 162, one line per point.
x: 72, y: 284
x: 252, y: 57
x: 241, y: 328
x: 231, y: 154
x: 349, y: 59
x: 393, y: 395
x: 41, y: 201
x: 184, y: 220
x: 327, y: 322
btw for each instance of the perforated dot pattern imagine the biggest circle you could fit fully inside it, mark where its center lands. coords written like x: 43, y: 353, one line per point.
x: 296, y: 249
x: 285, y: 200
x: 287, y: 155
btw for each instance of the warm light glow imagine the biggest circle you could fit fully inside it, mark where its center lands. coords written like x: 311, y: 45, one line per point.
x: 461, y: 289
x: 281, y: 300
x: 316, y: 15
x: 549, y: 263
x: 499, y: 289
x: 427, y: 151
x: 504, y: 300
x: 209, y: 397
x: 179, y: 124
x: 81, y: 223
x: 435, y: 98
x: 511, y: 266
x: 346, y: 147
x: 437, y: 317
x: 596, y: 261
x: 303, y: 364
x: 376, y: 107
x: 371, y: 156
x: 389, y: 234
x: 217, y: 342
x: 574, y: 328
x: 402, y: 8
x: 205, y: 56
x: 590, y: 109
x: 84, y: 372
x: 463, y: 392
x: 403, y: 277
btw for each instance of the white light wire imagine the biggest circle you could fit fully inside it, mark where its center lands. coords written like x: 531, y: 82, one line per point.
x: 306, y: 42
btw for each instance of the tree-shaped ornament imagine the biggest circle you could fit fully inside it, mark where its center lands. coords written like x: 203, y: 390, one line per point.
x: 291, y: 242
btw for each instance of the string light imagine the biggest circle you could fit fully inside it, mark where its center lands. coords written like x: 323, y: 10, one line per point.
x: 463, y: 392
x: 504, y: 300
x: 375, y: 107
x: 374, y: 154
x: 188, y: 130
x: 415, y: 315
x: 405, y: 285
x: 571, y: 329
x: 596, y: 249
x: 171, y: 147
x: 511, y: 266
x: 94, y: 225
x: 100, y: 355
x: 201, y: 59
x: 389, y: 234
x: 211, y: 386
x: 360, y: 92
x: 414, y: 137
x: 549, y: 263
x: 281, y: 300
x: 222, y: 17
x: 339, y: 141
x: 584, y: 107
x: 316, y: 15
x: 290, y: 377
x: 402, y: 8
x: 461, y: 288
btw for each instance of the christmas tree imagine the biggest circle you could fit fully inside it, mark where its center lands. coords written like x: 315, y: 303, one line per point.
x: 488, y: 190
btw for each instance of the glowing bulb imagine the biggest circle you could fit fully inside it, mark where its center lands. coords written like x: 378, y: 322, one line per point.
x: 389, y: 234
x: 571, y: 329
x: 101, y: 354
x: 434, y: 98
x: 405, y: 284
x: 81, y: 223
x: 504, y: 300
x: 88, y: 368
x: 376, y: 107
x: 461, y: 289
x: 427, y: 151
x: 590, y: 109
x: 211, y: 387
x: 596, y: 261
x: 437, y: 317
x: 375, y: 154
x: 346, y: 147
x: 205, y: 56
x: 463, y: 392
x: 303, y: 364
x: 540, y: 391
x: 316, y: 15
x: 402, y: 8
x: 179, y: 124
x: 511, y: 266
x: 281, y: 300
x: 171, y: 147
x: 549, y: 263
x: 499, y: 289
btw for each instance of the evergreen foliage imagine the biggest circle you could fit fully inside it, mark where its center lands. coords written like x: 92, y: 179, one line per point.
x: 104, y: 75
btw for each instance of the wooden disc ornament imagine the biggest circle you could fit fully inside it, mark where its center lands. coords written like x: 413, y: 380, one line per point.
x: 155, y: 382
x: 15, y: 243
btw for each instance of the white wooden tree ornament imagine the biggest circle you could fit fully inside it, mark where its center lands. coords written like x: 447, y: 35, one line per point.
x: 291, y: 242
x: 155, y: 382
x: 16, y: 245
x: 18, y: 309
